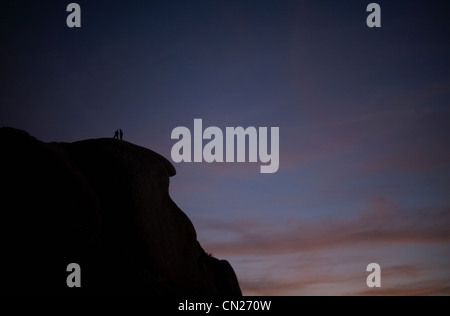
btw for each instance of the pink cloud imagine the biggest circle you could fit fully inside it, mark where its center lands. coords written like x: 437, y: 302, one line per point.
x: 338, y: 277
x: 329, y: 256
x: 384, y: 224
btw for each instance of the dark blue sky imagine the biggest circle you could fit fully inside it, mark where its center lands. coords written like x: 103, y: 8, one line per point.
x: 363, y: 115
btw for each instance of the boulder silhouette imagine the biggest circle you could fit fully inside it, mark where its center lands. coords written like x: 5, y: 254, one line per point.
x: 105, y: 205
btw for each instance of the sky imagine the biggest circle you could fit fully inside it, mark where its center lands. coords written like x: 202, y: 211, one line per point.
x: 363, y: 115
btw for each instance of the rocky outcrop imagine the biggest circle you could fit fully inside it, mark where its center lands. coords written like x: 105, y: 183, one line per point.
x: 103, y: 204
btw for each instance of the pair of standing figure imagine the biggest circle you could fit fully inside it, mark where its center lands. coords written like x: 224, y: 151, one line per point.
x: 118, y: 133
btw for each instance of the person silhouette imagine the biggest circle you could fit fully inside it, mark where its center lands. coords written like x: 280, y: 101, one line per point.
x: 121, y: 134
x: 116, y: 134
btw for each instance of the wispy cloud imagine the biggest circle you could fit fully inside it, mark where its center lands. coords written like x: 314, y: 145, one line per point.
x: 328, y: 256
x: 386, y: 223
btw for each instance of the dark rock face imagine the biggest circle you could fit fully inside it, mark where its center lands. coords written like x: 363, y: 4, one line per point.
x: 103, y: 204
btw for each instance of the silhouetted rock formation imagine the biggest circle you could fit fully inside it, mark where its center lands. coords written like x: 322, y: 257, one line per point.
x: 103, y: 204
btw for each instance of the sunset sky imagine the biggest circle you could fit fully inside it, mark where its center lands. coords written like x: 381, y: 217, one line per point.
x: 364, y: 118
